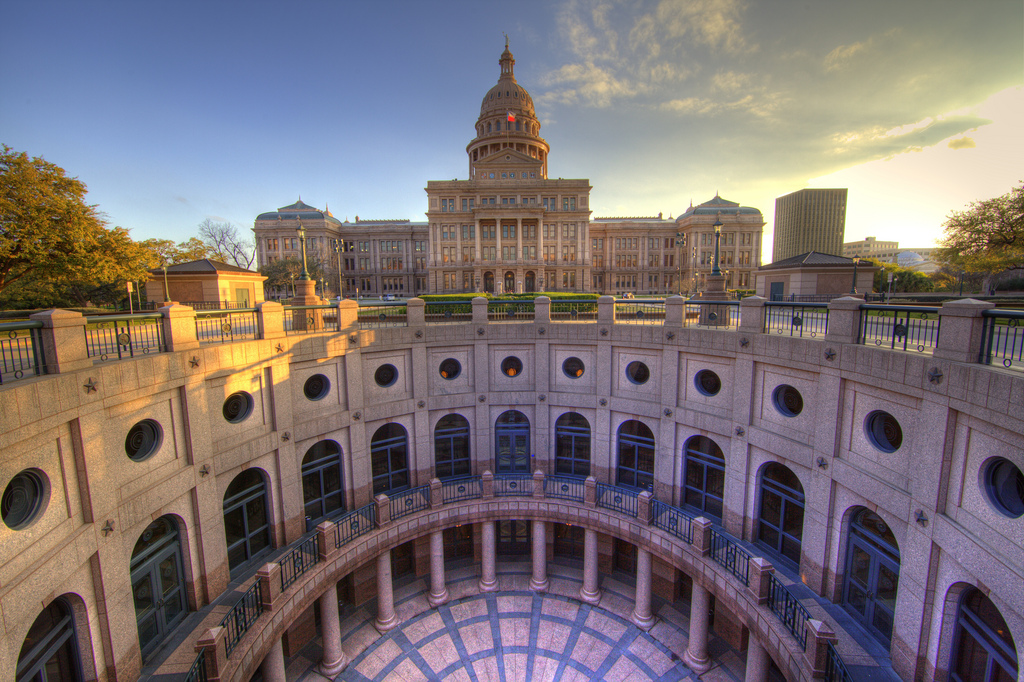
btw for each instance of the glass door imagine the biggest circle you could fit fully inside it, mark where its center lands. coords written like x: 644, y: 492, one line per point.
x: 872, y: 580
x: 158, y: 589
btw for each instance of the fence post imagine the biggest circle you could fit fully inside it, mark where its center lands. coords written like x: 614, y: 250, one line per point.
x: 348, y: 315
x: 960, y: 330
x: 179, y: 327
x: 383, y: 510
x: 216, y: 652
x: 606, y: 310
x: 269, y: 576
x: 538, y: 484
x: 327, y: 540
x: 702, y: 536
x: 760, y: 572
x: 843, y: 320
x: 63, y: 336
x: 487, y: 485
x: 590, y: 491
x: 542, y: 310
x: 752, y: 312
x: 816, y: 652
x: 643, y: 507
x: 270, y: 319
x: 479, y: 310
x: 415, y: 312
x: 674, y: 308
x: 436, y: 497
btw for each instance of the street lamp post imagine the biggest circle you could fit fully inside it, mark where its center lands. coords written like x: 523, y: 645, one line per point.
x: 167, y: 291
x: 339, y: 246
x: 715, y: 270
x: 302, y: 242
x: 680, y: 250
x: 292, y: 275
x: 853, y: 287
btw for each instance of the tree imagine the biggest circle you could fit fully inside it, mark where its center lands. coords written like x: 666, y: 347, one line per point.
x: 904, y: 279
x: 280, y: 274
x: 166, y: 252
x: 986, y: 238
x: 51, y: 239
x: 226, y: 245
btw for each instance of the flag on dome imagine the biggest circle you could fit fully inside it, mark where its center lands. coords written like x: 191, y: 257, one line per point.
x: 511, y: 116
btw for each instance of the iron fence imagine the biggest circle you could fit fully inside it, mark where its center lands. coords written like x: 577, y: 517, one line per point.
x: 310, y: 319
x: 619, y: 499
x: 21, y: 353
x: 242, y: 615
x: 510, y: 311
x: 459, y: 489
x: 728, y: 554
x: 409, y: 501
x: 448, y: 312
x: 900, y: 327
x: 355, y: 523
x: 513, y: 485
x: 565, y: 488
x: 672, y: 520
x: 640, y: 311
x: 123, y: 336
x: 1002, y: 338
x: 383, y: 314
x: 573, y: 311
x: 197, y: 673
x: 218, y: 326
x: 796, y: 319
x: 302, y: 558
x: 711, y: 314
x: 835, y: 669
x: 789, y: 610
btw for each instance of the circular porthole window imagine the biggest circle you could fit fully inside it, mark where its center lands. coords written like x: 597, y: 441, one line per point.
x: 450, y: 369
x: 386, y: 375
x: 316, y: 387
x: 24, y: 499
x: 143, y: 440
x: 511, y: 366
x: 638, y: 372
x: 1004, y: 483
x: 573, y: 368
x: 707, y: 382
x: 884, y: 431
x: 238, y: 407
x: 788, y: 400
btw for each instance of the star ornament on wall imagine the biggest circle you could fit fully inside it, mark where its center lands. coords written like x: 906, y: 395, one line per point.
x: 830, y: 355
x: 90, y: 386
x: 193, y: 362
x: 935, y: 375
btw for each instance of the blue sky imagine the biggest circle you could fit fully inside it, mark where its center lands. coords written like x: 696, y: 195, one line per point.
x: 174, y: 112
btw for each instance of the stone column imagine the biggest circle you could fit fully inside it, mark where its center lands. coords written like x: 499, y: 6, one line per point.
x: 696, y: 656
x: 438, y: 589
x: 386, y: 618
x: 488, y: 577
x: 539, y: 581
x: 272, y: 666
x: 757, y: 662
x: 333, y: 659
x: 641, y: 615
x: 962, y: 326
x: 590, y: 593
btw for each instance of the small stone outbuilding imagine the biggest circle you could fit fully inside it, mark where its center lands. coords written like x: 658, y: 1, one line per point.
x: 813, y: 276
x: 206, y: 284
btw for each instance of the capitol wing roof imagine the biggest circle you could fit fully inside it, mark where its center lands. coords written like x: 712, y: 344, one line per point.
x: 719, y: 205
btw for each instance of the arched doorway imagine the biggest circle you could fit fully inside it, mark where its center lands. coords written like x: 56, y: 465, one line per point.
x: 572, y: 445
x: 510, y: 282
x: 246, y: 522
x: 636, y: 455
x: 50, y: 650
x: 389, y: 459
x: 983, y: 648
x: 531, y: 281
x: 512, y: 443
x: 322, y: 491
x: 781, y: 519
x: 872, y: 573
x: 704, y: 477
x: 451, y: 447
x: 158, y: 585
x: 489, y: 282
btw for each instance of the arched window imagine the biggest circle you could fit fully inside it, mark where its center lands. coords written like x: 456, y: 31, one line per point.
x: 510, y: 282
x: 158, y: 586
x: 781, y: 521
x: 389, y: 459
x: 489, y: 282
x: 322, y: 491
x: 983, y: 649
x: 451, y: 447
x: 704, y: 477
x: 636, y: 455
x: 512, y: 443
x: 872, y: 573
x: 50, y: 650
x: 246, y: 522
x: 572, y: 445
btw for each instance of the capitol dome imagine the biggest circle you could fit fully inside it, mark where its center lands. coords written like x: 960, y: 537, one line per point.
x: 507, y: 95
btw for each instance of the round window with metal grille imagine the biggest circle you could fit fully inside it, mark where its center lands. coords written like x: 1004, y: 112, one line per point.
x: 143, y: 440
x: 316, y: 387
x: 883, y: 431
x: 511, y: 366
x: 449, y: 369
x: 573, y: 368
x: 638, y: 372
x: 707, y: 382
x: 238, y: 407
x: 787, y: 400
x: 386, y: 375
x: 1004, y: 484
x: 24, y: 499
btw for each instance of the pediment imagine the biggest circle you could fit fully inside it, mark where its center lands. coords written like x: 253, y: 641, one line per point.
x: 505, y: 157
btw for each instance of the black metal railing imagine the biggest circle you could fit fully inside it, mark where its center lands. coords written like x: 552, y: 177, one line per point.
x: 310, y: 319
x: 409, y: 501
x: 21, y: 352
x: 795, y: 319
x: 789, y: 610
x: 619, y: 499
x: 219, y: 326
x: 355, y: 523
x: 124, y: 336
x: 711, y: 314
x: 459, y: 489
x: 242, y: 615
x: 672, y: 520
x: 383, y: 314
x: 510, y: 311
x: 513, y: 485
x: 728, y: 554
x: 835, y: 669
x: 197, y: 673
x: 565, y: 488
x: 448, y: 312
x: 573, y: 311
x: 1002, y: 338
x: 299, y: 560
x: 640, y: 311
x: 900, y: 327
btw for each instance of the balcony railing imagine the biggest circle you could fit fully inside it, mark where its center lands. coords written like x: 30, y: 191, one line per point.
x: 513, y: 485
x: 310, y: 319
x: 672, y: 520
x: 355, y: 523
x: 21, y: 351
x: 242, y: 615
x: 835, y: 669
x: 565, y: 488
x: 620, y: 499
x: 510, y: 311
x: 383, y: 314
x: 448, y: 312
x: 789, y: 610
x: 796, y: 319
x: 220, y: 326
x: 711, y: 314
x: 640, y: 311
x: 728, y: 554
x: 573, y: 311
x: 124, y: 336
x: 197, y: 673
x: 299, y: 560
x: 1002, y: 339
x: 409, y: 501
x: 459, y: 489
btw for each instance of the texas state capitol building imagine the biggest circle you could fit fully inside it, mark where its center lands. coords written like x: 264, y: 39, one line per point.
x: 511, y: 228
x: 160, y: 504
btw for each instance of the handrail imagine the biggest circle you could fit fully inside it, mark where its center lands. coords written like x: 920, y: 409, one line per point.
x: 21, y: 353
x: 214, y: 312
x: 459, y: 489
x: 835, y: 669
x: 303, y: 557
x: 242, y: 615
x: 1002, y: 341
x: 619, y: 499
x: 409, y: 501
x: 197, y: 673
x: 355, y: 523
x: 114, y: 336
x: 728, y: 554
x: 565, y: 487
x: 788, y: 608
x: 513, y: 485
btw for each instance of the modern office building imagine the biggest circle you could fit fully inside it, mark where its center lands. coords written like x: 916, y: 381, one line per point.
x: 809, y: 220
x: 870, y: 247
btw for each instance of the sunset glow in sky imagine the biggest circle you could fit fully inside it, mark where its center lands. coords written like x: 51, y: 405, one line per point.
x: 174, y: 112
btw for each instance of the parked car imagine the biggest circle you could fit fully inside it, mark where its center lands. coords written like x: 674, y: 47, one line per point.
x: 388, y: 297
